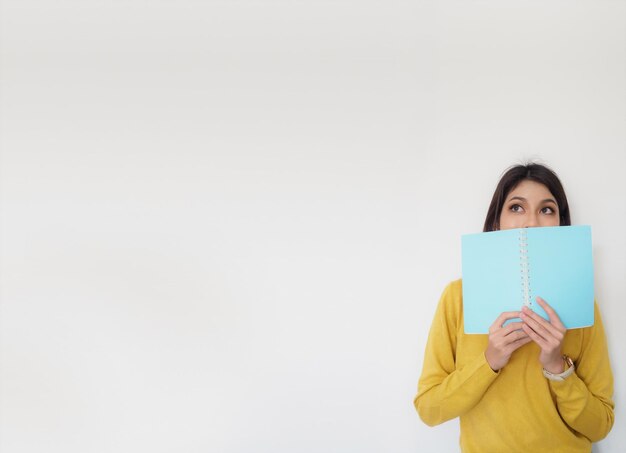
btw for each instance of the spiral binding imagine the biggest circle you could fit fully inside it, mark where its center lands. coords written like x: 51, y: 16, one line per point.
x: 525, y: 268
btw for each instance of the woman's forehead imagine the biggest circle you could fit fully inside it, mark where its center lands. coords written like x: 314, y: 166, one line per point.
x: 527, y: 188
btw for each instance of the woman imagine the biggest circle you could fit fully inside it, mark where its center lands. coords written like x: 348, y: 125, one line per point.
x: 529, y: 386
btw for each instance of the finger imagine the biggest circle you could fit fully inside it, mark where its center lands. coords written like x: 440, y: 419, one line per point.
x: 505, y: 316
x: 534, y: 336
x: 537, y: 323
x: 518, y: 344
x: 528, y: 312
x: 539, y: 319
x: 542, y: 327
x: 515, y: 336
x: 511, y: 328
x: 554, y: 318
x: 522, y: 341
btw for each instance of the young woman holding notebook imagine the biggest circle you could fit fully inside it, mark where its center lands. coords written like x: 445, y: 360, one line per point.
x: 529, y: 385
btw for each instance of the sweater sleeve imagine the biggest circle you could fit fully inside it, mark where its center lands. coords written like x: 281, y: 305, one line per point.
x: 584, y: 399
x: 445, y: 392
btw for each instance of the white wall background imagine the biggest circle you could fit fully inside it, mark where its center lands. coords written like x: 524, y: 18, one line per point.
x: 225, y: 225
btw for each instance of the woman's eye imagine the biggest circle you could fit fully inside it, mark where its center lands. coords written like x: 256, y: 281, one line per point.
x: 547, y: 210
x: 515, y: 208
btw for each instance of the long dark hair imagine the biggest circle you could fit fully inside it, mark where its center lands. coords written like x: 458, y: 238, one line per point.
x: 512, y: 177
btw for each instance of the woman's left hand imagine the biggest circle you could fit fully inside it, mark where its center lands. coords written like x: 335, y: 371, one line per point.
x: 548, y: 335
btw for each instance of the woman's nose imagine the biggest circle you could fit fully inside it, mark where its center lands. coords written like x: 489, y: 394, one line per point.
x: 531, y: 221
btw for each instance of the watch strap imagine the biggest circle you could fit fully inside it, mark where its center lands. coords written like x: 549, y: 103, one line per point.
x: 561, y: 376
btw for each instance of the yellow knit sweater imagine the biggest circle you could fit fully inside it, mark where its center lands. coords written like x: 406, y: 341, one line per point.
x: 516, y: 409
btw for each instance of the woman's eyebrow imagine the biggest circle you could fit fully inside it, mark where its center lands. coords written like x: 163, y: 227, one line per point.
x: 547, y: 200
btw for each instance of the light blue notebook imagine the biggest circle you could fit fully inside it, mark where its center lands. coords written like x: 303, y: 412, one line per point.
x: 504, y: 270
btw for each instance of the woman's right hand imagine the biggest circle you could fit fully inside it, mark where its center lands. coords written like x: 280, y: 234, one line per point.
x: 503, y: 341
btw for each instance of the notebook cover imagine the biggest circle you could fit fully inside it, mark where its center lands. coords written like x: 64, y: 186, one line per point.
x: 560, y: 271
